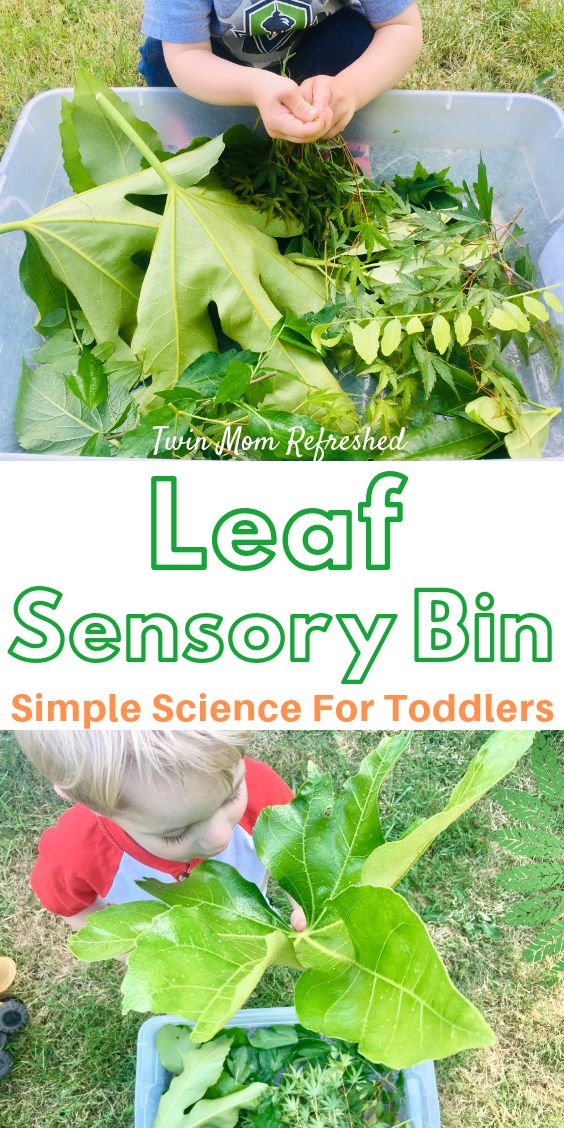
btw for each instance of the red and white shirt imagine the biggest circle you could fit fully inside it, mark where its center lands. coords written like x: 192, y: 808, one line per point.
x: 85, y: 855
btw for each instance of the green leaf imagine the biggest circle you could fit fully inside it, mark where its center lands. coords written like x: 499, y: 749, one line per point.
x: 97, y: 446
x: 49, y: 418
x: 173, y: 1042
x: 535, y: 875
x: 441, y: 333
x: 201, y: 1067
x: 366, y: 339
x: 315, y: 846
x: 488, y: 411
x: 535, y: 308
x: 529, y: 437
x: 237, y: 378
x: 182, y: 966
x: 38, y: 281
x: 463, y: 327
x: 445, y: 439
x: 220, y: 1113
x: 60, y: 353
x: 484, y: 194
x: 141, y: 441
x: 525, y: 807
x: 547, y: 770
x: 392, y: 995
x: 498, y: 756
x: 90, y: 383
x: 549, y: 942
x: 95, y: 150
x: 391, y: 336
x: 530, y: 842
x: 415, y: 325
x: 90, y: 241
x: 533, y: 911
x: 426, y: 367
x: 552, y: 301
x: 501, y: 319
x: 114, y: 930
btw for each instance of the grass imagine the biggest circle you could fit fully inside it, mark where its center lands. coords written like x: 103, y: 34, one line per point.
x: 75, y: 1063
x: 469, y: 45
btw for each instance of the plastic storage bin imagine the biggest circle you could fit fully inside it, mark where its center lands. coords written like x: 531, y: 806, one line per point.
x: 421, y: 1106
x: 520, y: 136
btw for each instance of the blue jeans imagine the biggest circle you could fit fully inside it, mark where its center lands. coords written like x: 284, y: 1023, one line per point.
x: 326, y: 48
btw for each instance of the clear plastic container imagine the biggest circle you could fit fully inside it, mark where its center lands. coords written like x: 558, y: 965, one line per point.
x: 521, y: 138
x: 421, y: 1105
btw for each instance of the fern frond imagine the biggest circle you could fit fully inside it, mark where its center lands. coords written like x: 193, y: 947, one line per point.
x: 530, y: 843
x: 549, y: 942
x: 548, y: 770
x: 528, y: 808
x: 537, y: 875
x: 540, y: 909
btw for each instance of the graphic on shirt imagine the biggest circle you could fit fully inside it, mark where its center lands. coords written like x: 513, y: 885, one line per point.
x: 271, y: 17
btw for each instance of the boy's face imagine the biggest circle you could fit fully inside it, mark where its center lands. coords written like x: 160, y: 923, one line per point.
x: 195, y: 821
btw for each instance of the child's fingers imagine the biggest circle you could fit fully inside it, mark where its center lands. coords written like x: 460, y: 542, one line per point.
x: 295, y: 101
x: 298, y: 919
x: 322, y: 91
x: 290, y: 129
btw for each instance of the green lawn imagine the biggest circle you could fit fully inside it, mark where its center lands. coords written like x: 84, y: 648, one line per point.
x: 75, y: 1063
x: 469, y: 45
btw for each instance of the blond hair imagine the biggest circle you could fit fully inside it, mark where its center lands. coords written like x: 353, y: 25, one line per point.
x: 93, y: 767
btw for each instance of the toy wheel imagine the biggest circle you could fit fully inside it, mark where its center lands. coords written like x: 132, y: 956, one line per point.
x: 13, y: 1016
x: 6, y: 1063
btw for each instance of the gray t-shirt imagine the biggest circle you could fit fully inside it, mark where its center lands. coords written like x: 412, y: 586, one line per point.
x: 259, y: 33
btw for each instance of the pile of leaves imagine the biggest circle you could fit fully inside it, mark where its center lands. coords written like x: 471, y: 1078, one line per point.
x: 229, y: 288
x: 272, y: 1076
x: 369, y: 971
x: 538, y: 838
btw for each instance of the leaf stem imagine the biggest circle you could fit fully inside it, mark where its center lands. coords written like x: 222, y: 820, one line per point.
x: 136, y: 140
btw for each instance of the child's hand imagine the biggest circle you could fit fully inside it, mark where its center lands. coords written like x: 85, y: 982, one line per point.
x: 286, y: 111
x: 298, y: 917
x: 330, y: 92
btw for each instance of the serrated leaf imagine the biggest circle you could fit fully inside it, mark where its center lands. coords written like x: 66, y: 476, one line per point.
x: 366, y: 339
x: 425, y: 366
x: 440, y: 329
x: 50, y: 418
x: 90, y: 383
x: 60, y: 353
x: 315, y: 846
x: 38, y: 281
x: 391, y: 336
x: 463, y: 327
x: 234, y: 384
x: 392, y: 994
x: 97, y: 446
x: 114, y: 930
x: 498, y: 756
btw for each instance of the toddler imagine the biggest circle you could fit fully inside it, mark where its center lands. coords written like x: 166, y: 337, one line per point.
x: 146, y: 804
x: 336, y: 55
